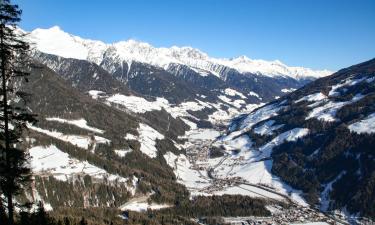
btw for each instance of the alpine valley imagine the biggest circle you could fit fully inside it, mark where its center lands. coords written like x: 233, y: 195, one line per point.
x: 131, y: 133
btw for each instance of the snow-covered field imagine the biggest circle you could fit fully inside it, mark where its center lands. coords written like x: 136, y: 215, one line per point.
x: 82, y: 141
x: 52, y: 161
x: 141, y: 105
x: 137, y: 104
x: 140, y: 204
x: 81, y: 123
x: 147, y: 138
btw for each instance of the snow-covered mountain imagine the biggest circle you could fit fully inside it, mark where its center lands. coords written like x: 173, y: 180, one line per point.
x: 56, y: 41
x: 319, y: 139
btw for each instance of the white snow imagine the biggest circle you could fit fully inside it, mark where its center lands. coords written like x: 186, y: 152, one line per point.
x: 184, y: 173
x: 77, y: 140
x: 260, y: 115
x: 313, y: 97
x: 136, y: 104
x: 55, y: 41
x: 140, y: 105
x: 130, y: 136
x: 191, y: 124
x: 346, y: 83
x: 232, y: 92
x: 224, y: 117
x: 286, y: 90
x: 141, y: 204
x: 252, y: 93
x: 291, y: 135
x: 236, y: 103
x: 147, y: 139
x: 242, y: 143
x: 370, y: 79
x: 95, y: 94
x: 202, y: 134
x: 270, y: 68
x: 253, y: 164
x: 366, y: 125
x: 123, y: 152
x: 181, y: 109
x: 253, y: 118
x: 267, y: 128
x: 51, y: 160
x: 327, y: 112
x: 324, y: 196
x: 81, y: 123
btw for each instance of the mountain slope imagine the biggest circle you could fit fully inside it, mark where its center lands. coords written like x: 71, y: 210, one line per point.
x: 81, y: 145
x: 318, y: 139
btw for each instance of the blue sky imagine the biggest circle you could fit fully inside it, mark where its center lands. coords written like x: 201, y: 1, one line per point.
x: 320, y: 34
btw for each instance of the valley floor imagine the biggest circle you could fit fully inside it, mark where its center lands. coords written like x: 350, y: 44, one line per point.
x: 226, y: 174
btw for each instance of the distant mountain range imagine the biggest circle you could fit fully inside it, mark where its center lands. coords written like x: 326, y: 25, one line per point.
x: 56, y: 41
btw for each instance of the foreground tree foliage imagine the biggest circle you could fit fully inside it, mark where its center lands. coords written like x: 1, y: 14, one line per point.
x: 14, y: 116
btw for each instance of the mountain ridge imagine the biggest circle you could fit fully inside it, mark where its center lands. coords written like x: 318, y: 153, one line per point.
x: 55, y: 41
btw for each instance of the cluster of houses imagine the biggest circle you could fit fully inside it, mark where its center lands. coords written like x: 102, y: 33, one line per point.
x: 292, y: 215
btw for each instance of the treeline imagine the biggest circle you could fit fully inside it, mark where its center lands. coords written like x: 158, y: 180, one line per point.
x: 225, y: 205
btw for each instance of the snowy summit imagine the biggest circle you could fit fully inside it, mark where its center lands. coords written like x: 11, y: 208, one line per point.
x: 55, y: 41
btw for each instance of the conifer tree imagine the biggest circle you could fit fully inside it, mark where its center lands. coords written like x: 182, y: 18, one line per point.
x: 14, y: 171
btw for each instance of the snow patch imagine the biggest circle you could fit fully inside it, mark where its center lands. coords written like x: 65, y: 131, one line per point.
x: 96, y: 94
x: 324, y: 196
x: 312, y: 98
x: 285, y: 90
x: 142, y: 205
x: 267, y: 128
x: 366, y: 125
x: 232, y: 92
x: 137, y: 104
x: 147, y: 139
x: 122, y: 152
x: 251, y: 93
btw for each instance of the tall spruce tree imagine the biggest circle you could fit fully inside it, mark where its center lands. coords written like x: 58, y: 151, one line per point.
x: 14, y: 171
